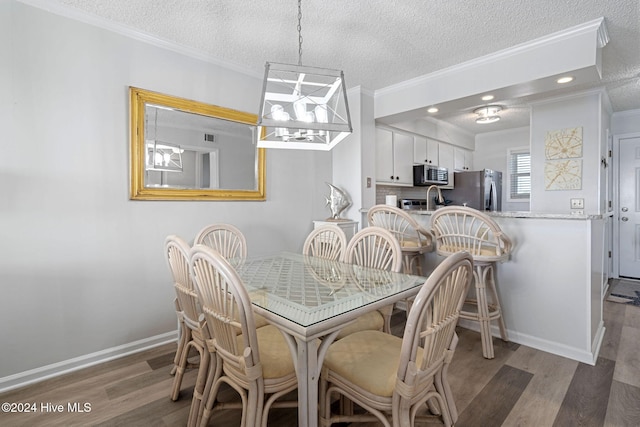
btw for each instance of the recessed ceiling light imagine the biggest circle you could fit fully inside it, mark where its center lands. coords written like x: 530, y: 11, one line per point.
x: 488, y: 97
x: 566, y: 79
x: 432, y: 110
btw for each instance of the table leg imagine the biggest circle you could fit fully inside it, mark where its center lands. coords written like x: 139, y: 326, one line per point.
x: 308, y: 357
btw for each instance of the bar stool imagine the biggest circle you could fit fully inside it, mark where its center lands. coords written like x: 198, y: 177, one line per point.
x: 458, y: 228
x: 413, y: 238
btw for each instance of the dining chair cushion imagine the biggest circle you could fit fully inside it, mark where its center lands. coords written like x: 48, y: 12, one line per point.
x: 479, y: 254
x: 373, y: 320
x: 410, y: 243
x: 275, y: 355
x: 258, y: 320
x: 356, y: 356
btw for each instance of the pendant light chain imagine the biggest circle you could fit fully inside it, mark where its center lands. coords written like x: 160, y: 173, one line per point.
x: 299, y: 32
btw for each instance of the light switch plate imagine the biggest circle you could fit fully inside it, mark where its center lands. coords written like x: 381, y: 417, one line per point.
x: 577, y: 203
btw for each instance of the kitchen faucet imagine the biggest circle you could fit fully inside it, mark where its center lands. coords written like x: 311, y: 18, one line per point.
x: 431, y: 206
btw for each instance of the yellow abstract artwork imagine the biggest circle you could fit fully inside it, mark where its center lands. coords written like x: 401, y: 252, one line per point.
x: 563, y: 153
x: 563, y: 144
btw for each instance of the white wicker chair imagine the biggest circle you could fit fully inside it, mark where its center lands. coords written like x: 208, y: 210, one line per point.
x: 224, y: 238
x: 414, y: 239
x: 256, y: 362
x: 459, y: 228
x: 392, y: 377
x: 377, y: 248
x: 330, y: 242
x: 327, y: 241
x: 191, y: 322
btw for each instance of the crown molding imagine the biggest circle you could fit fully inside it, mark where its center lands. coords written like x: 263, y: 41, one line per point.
x: 552, y: 100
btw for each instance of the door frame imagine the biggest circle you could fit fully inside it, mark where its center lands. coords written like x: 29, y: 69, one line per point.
x: 616, y: 199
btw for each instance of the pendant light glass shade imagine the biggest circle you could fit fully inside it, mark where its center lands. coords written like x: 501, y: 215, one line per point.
x: 302, y: 108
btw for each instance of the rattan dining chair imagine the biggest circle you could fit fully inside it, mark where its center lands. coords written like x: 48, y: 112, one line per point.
x: 255, y: 362
x: 377, y: 248
x: 229, y: 242
x: 461, y: 228
x: 330, y: 242
x: 190, y: 320
x: 327, y: 241
x: 392, y: 378
x: 414, y: 239
x: 224, y: 238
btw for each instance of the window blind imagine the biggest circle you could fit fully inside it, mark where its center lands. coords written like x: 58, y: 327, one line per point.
x: 520, y: 174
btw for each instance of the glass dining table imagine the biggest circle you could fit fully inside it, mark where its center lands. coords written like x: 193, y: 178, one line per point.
x: 310, y: 300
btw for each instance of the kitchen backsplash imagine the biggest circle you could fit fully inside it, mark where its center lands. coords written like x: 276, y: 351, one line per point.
x: 382, y: 191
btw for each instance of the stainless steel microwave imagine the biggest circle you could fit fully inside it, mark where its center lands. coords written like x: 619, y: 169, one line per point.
x: 430, y: 175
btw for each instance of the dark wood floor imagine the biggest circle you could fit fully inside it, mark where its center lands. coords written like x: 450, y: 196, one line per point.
x: 520, y: 387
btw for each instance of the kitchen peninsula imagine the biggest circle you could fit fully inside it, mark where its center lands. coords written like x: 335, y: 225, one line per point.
x: 552, y: 287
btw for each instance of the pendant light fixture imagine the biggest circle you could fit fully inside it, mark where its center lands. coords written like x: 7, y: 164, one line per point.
x: 161, y: 156
x: 488, y: 114
x: 302, y: 107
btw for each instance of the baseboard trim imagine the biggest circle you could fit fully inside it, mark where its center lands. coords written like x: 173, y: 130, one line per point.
x: 574, y: 353
x: 32, y: 376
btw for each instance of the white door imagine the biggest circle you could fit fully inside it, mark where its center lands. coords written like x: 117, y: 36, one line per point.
x: 629, y: 208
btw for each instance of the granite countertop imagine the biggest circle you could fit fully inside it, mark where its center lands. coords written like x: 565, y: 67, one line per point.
x: 522, y: 214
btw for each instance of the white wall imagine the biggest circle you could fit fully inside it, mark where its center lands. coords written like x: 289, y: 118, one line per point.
x: 82, y: 268
x: 347, y: 168
x: 491, y: 153
x: 580, y: 110
x: 625, y: 122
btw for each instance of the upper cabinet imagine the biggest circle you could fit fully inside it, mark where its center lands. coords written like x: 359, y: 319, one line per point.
x: 425, y: 150
x: 397, y: 151
x: 446, y: 160
x: 394, y: 158
x: 462, y: 159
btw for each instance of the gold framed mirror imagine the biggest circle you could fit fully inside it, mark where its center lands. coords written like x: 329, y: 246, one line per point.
x: 188, y: 150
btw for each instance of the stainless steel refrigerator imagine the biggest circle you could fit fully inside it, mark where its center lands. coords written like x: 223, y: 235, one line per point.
x: 480, y: 190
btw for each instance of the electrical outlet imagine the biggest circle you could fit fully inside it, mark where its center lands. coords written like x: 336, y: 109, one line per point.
x: 577, y: 203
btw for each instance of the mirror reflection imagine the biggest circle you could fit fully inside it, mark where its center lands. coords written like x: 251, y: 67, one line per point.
x: 183, y: 149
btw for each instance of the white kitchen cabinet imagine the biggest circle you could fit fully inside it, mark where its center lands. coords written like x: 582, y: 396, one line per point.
x: 461, y: 159
x: 425, y: 150
x: 446, y: 160
x: 394, y: 158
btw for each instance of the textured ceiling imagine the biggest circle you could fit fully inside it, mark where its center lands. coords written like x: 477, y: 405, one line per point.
x: 378, y: 43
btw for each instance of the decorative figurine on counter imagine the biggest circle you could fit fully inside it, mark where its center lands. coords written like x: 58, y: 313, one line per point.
x: 338, y: 201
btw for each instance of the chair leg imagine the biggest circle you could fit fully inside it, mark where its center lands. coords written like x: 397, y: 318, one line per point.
x: 418, y: 259
x: 485, y: 287
x: 182, y: 342
x: 182, y: 366
x: 497, y: 312
x: 483, y: 312
x: 448, y: 395
x: 198, y: 390
x: 211, y: 387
